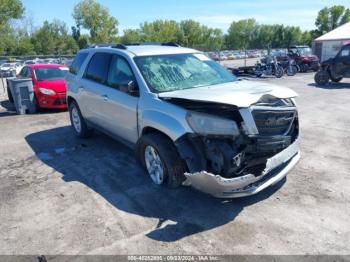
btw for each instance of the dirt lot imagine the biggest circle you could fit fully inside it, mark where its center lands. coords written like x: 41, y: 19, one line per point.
x: 63, y: 195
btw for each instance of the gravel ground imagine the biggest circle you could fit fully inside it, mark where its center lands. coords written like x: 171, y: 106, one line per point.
x: 63, y: 195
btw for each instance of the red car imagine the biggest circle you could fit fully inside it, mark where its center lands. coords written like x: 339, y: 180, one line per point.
x: 49, y: 84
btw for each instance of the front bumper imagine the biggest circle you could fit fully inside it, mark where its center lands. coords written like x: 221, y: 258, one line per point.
x: 57, y: 101
x: 276, y: 169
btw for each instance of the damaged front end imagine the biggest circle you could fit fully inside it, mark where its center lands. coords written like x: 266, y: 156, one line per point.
x: 260, y: 154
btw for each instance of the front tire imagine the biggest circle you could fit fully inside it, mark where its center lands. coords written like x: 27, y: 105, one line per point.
x: 321, y: 78
x: 279, y: 72
x: 159, y: 157
x: 78, y: 123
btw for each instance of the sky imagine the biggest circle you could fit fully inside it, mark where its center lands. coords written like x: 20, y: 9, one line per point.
x: 213, y: 13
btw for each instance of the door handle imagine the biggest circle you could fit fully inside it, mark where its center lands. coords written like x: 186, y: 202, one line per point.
x: 105, y: 97
x: 80, y: 88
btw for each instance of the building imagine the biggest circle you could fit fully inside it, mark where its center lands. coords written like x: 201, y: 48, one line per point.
x: 328, y: 45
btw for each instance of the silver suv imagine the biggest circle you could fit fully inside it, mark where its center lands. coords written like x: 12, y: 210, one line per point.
x: 190, y: 121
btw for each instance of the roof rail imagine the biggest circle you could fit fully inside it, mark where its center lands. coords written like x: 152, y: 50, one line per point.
x: 111, y: 45
x: 155, y: 43
x: 124, y: 47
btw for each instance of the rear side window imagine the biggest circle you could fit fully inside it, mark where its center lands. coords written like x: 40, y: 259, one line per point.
x: 77, y: 63
x: 98, y: 68
x: 120, y: 74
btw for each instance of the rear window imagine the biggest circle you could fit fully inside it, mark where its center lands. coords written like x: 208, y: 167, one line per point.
x: 49, y: 74
x: 77, y: 63
x: 98, y: 67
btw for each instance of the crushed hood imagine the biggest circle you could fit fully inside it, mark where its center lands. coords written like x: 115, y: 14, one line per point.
x: 239, y: 93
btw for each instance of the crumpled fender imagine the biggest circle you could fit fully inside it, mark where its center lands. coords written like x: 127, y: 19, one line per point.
x: 249, y: 184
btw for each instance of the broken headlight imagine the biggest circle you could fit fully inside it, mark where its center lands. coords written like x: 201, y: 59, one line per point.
x: 205, y: 124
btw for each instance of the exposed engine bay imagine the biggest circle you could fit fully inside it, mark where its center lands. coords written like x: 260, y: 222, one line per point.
x: 276, y: 128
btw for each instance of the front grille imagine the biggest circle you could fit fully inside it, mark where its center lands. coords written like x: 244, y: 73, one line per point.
x: 56, y: 102
x: 60, y: 101
x: 272, y: 123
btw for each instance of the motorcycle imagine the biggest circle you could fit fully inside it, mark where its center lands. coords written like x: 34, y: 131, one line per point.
x: 290, y: 67
x: 268, y: 67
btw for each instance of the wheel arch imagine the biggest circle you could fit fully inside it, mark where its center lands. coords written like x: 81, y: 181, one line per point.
x: 70, y: 99
x: 148, y: 130
x: 172, y: 125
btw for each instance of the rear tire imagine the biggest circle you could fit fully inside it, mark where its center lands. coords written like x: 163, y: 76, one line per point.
x: 304, y: 68
x: 170, y: 164
x: 334, y: 78
x: 321, y: 78
x: 78, y: 122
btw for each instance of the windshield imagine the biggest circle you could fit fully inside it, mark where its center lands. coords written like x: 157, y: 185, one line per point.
x: 305, y: 51
x: 6, y: 65
x: 165, y: 73
x: 48, y: 74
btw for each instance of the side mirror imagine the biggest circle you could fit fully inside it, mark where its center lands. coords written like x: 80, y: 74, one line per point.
x: 133, y: 89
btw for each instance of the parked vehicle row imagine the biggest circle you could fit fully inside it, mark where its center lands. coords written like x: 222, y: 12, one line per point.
x: 281, y: 61
x: 11, y: 68
x: 301, y: 54
x: 8, y: 67
x: 231, y: 55
x: 268, y: 66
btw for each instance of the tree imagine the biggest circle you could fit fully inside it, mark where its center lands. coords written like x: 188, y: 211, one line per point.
x: 7, y: 42
x: 10, y: 9
x: 213, y: 39
x: 186, y: 33
x: 53, y: 38
x: 193, y: 33
x: 292, y: 35
x: 43, y: 40
x: 24, y: 47
x: 131, y: 36
x: 330, y: 18
x: 94, y: 17
x: 241, y: 34
x: 161, y: 31
x: 307, y: 37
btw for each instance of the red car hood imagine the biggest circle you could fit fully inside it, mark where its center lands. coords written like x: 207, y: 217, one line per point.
x: 58, y: 86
